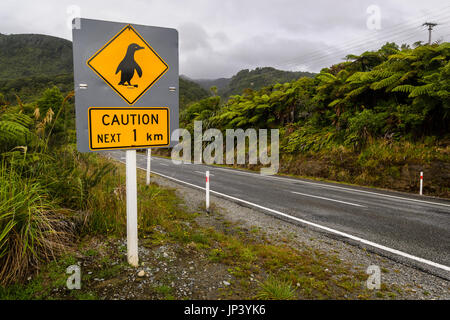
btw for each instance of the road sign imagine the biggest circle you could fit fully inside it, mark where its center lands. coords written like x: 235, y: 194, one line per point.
x: 125, y: 128
x: 121, y: 65
x: 126, y: 96
x: 128, y: 64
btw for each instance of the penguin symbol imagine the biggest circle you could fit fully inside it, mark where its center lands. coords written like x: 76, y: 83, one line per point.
x: 128, y: 65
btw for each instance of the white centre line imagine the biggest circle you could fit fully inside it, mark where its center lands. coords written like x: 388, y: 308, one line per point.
x: 326, y: 186
x: 309, y: 195
x: 371, y: 193
x: 376, y: 194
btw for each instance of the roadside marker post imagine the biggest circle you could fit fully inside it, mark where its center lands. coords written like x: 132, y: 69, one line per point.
x: 421, y: 182
x: 149, y: 158
x: 207, y: 191
x: 126, y: 97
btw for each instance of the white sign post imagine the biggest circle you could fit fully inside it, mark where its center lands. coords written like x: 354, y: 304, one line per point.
x: 132, y: 232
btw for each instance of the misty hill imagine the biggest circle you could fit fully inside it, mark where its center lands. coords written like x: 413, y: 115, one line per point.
x: 30, y: 63
x: 26, y: 55
x: 190, y: 92
x: 221, y: 84
x: 251, y: 79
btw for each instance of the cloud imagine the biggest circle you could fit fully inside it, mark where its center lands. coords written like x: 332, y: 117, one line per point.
x: 193, y: 37
x: 218, y: 38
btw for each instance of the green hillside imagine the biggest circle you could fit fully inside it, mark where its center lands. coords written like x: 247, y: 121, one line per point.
x: 31, y: 63
x: 27, y: 55
x: 260, y: 77
x: 251, y: 79
x: 221, y: 83
x: 190, y: 92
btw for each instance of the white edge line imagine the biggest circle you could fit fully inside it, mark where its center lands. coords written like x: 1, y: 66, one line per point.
x: 343, y: 234
x: 309, y: 195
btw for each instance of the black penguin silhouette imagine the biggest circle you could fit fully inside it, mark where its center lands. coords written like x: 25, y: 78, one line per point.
x: 128, y: 65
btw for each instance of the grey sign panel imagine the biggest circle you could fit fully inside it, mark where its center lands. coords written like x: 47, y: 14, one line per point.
x: 106, y: 86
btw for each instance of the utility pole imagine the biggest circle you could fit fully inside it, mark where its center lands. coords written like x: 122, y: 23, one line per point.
x: 430, y: 26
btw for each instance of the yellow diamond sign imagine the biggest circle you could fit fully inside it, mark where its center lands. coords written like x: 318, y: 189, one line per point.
x: 128, y: 64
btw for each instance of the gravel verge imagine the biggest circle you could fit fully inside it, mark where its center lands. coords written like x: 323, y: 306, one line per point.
x: 414, y: 283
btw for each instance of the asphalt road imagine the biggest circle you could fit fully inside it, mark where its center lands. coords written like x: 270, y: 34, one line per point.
x: 411, y: 229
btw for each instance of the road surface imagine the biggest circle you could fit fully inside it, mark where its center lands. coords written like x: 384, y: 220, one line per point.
x: 411, y: 229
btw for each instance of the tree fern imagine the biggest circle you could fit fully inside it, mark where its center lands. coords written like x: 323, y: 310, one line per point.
x: 14, y: 130
x: 12, y: 134
x: 421, y: 90
x: 326, y: 77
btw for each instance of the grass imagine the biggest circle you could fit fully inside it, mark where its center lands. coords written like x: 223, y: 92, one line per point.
x: 52, y: 276
x: 32, y: 226
x: 276, y: 289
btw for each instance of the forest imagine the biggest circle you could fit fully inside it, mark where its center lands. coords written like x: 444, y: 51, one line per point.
x: 376, y: 119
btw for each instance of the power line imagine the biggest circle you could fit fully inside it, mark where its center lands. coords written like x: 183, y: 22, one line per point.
x: 327, y: 56
x: 387, y: 36
x: 392, y: 33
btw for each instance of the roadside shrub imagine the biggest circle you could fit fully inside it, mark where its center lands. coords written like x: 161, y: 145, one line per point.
x: 31, y: 228
x: 276, y: 289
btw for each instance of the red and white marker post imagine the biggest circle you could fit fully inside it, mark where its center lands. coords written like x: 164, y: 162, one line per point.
x: 149, y: 158
x: 421, y: 182
x: 207, y: 191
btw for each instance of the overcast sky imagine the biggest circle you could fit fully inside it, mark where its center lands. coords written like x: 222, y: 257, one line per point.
x: 219, y: 38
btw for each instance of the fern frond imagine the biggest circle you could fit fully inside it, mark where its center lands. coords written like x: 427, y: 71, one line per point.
x: 386, y: 82
x: 422, y: 90
x: 356, y: 92
x: 18, y: 117
x: 406, y: 88
x: 13, y: 134
x: 335, y: 102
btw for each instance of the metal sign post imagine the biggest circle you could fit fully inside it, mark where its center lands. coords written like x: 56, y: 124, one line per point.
x: 126, y: 96
x: 132, y: 235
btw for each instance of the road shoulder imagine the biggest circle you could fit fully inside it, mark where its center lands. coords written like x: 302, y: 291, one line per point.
x: 410, y: 283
